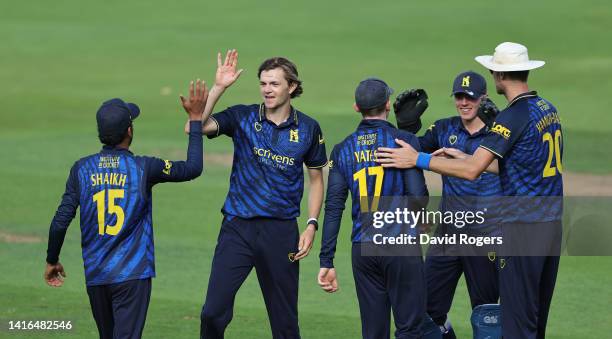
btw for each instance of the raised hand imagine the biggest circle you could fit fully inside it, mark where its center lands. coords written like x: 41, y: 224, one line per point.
x: 194, y: 105
x: 328, y: 280
x: 226, y: 70
x: 54, y: 275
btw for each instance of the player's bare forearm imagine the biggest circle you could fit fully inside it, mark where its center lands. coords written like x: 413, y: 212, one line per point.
x: 493, y: 167
x: 315, y: 195
x: 209, y: 126
x: 458, y: 154
x: 315, y: 200
x: 468, y: 168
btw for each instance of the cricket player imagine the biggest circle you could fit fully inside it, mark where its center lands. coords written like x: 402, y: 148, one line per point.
x: 114, y: 190
x: 464, y: 132
x: 272, y: 143
x: 383, y: 283
x: 526, y: 139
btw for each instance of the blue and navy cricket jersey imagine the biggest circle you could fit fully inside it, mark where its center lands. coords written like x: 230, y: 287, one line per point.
x: 461, y: 194
x: 353, y: 168
x: 267, y: 178
x: 451, y: 133
x: 113, y: 189
x: 527, y: 138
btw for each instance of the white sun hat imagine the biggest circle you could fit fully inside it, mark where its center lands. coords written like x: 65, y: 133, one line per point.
x: 509, y: 57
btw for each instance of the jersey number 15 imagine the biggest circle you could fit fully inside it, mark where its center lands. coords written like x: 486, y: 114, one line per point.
x: 99, y: 198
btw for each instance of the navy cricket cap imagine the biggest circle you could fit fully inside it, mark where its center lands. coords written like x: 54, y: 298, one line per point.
x: 372, y: 93
x: 115, y: 116
x: 470, y: 83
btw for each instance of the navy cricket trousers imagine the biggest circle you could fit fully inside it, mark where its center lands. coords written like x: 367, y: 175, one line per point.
x: 385, y: 284
x: 443, y: 273
x: 120, y: 309
x: 526, y: 288
x: 527, y: 276
x: 268, y: 245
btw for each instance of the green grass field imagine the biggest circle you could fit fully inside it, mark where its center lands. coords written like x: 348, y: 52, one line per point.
x: 60, y: 60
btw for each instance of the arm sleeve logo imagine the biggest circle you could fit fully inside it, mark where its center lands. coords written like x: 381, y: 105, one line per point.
x: 501, y: 130
x: 167, y: 167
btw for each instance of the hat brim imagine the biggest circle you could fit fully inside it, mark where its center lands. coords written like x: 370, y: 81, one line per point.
x: 468, y: 93
x: 487, y: 62
x: 134, y: 110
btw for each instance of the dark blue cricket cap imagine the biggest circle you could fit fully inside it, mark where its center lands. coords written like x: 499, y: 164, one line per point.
x: 372, y: 93
x: 470, y: 83
x: 115, y: 116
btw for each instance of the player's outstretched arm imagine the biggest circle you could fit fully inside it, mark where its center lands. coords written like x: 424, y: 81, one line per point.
x: 407, y: 157
x: 454, y: 153
x: 159, y: 170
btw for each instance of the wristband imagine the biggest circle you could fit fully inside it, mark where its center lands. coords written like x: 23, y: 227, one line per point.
x: 423, y: 160
x: 314, y: 222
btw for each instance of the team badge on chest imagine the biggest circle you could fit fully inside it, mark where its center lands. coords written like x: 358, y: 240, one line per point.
x: 452, y: 139
x: 294, y: 136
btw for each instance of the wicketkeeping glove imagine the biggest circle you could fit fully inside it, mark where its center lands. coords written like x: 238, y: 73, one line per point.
x: 487, y: 111
x: 408, y: 107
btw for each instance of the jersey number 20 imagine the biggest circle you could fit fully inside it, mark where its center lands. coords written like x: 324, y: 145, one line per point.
x: 554, y: 149
x: 99, y: 198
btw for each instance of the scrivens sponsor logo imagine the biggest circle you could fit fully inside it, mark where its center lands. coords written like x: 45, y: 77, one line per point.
x: 270, y: 158
x: 501, y: 130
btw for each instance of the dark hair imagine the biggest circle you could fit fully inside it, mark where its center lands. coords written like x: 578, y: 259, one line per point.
x: 114, y: 139
x: 516, y: 75
x: 372, y: 112
x: 291, y: 73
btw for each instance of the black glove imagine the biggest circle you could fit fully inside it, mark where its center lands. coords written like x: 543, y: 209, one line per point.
x: 487, y: 111
x: 408, y: 107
